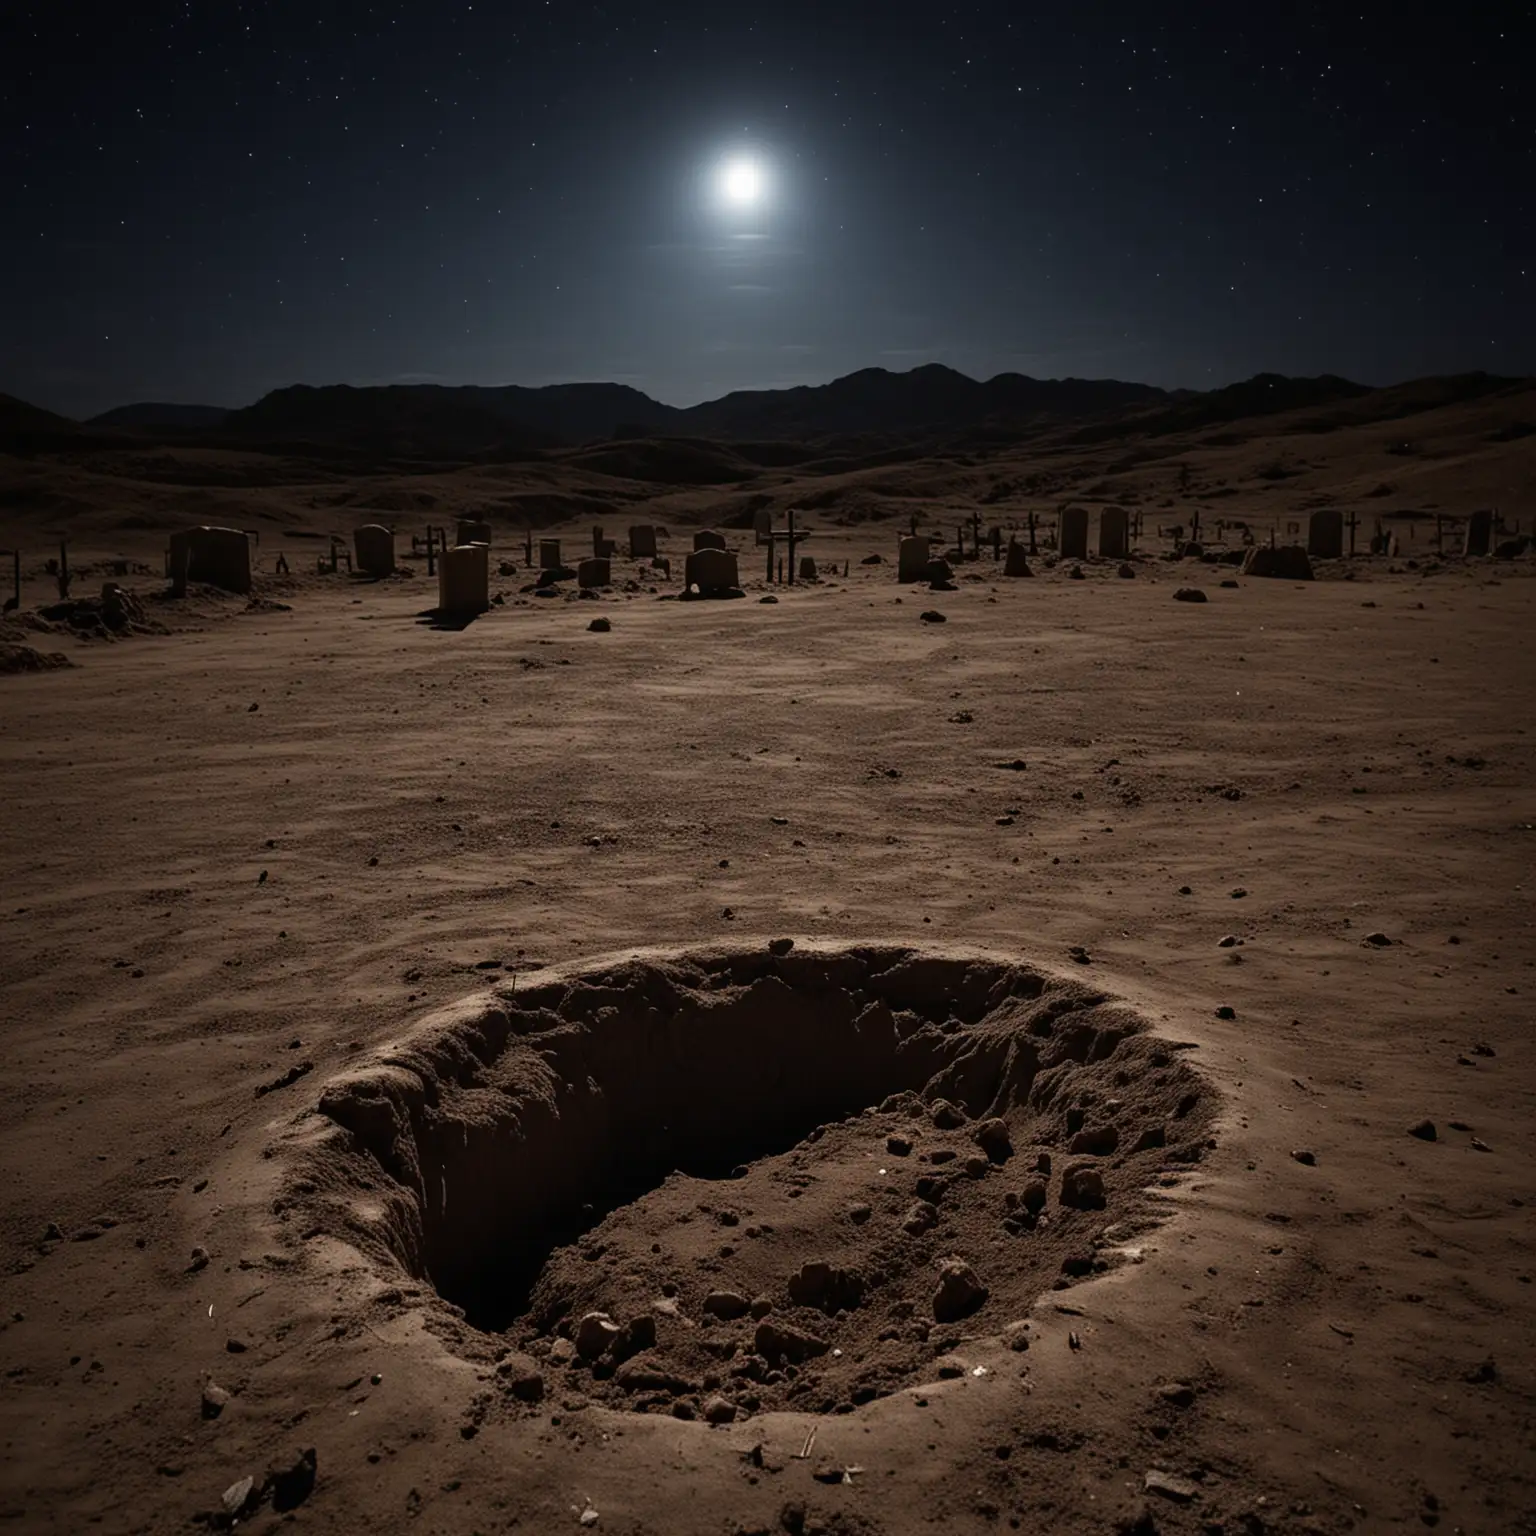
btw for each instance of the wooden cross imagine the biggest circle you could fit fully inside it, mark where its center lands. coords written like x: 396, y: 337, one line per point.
x: 791, y: 536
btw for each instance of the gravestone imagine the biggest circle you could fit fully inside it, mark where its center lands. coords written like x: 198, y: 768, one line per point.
x: 707, y: 538
x: 549, y: 554
x: 1325, y: 535
x: 464, y: 579
x: 642, y: 541
x: 1114, y: 533
x: 912, y: 556
x: 762, y: 525
x: 807, y: 568
x: 1479, y: 534
x: 218, y: 557
x: 593, y: 573
x: 1072, y: 537
x: 713, y: 572
x: 472, y: 530
x: 373, y: 547
x: 602, y: 549
x: 1018, y: 562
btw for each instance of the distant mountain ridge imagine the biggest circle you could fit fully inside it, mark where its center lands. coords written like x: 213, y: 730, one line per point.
x: 471, y: 419
x: 486, y: 422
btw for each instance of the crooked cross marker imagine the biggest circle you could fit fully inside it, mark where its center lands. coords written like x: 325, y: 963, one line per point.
x: 791, y: 536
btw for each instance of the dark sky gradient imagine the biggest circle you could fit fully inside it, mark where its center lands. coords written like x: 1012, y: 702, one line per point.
x: 203, y: 201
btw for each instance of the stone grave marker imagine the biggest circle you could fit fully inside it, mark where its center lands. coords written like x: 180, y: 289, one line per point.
x: 464, y: 579
x: 373, y: 547
x: 1072, y: 535
x: 1114, y: 533
x: 1325, y: 535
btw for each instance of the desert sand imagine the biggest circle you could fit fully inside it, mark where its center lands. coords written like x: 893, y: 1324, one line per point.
x: 410, y: 1104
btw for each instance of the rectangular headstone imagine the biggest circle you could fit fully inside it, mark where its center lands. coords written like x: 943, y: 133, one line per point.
x: 464, y: 579
x: 1479, y: 534
x: 373, y: 547
x: 1114, y: 533
x: 217, y: 557
x: 707, y: 538
x: 1072, y: 539
x: 912, y: 556
x: 549, y: 554
x: 762, y: 524
x: 712, y: 571
x: 473, y: 530
x: 1325, y: 535
x: 593, y: 573
x: 642, y: 541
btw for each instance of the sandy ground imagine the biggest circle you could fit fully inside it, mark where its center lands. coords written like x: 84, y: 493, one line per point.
x: 288, y: 838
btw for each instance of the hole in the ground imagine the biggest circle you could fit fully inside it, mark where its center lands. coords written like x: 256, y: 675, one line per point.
x: 759, y: 1167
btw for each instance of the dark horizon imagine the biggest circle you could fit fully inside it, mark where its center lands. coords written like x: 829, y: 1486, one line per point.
x: 748, y: 389
x: 205, y: 207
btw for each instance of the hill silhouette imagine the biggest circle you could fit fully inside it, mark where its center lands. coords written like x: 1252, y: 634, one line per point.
x: 859, y: 420
x: 477, y: 421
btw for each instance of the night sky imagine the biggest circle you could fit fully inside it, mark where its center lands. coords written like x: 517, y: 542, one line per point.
x: 203, y: 201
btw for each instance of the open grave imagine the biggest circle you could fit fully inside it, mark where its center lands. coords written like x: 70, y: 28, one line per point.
x: 717, y: 1183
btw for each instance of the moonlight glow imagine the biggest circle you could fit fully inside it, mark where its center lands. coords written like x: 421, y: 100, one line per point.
x: 741, y: 183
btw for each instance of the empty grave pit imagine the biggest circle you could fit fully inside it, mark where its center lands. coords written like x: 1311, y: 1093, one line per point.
x: 719, y: 1183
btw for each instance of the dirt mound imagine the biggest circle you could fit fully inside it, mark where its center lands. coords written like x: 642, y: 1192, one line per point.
x: 781, y: 1179
x: 24, y: 658
x: 115, y: 614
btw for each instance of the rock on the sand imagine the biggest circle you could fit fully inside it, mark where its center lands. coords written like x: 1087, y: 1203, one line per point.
x: 959, y: 1293
x: 993, y: 1139
x: 594, y: 1333
x: 719, y: 1410
x: 1424, y: 1130
x: 1189, y: 595
x: 945, y: 1115
x: 921, y: 1217
x: 523, y: 1377
x: 1179, y: 1489
x: 1082, y: 1185
x: 777, y: 1341
x: 727, y: 1304
x: 642, y: 1375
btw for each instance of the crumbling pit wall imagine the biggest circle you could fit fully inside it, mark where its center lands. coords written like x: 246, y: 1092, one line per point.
x: 518, y: 1122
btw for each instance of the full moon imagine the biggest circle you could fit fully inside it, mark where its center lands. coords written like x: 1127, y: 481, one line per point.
x: 741, y: 183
